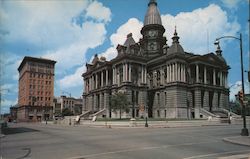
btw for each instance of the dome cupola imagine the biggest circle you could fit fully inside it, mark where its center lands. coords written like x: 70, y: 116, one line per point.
x: 152, y: 16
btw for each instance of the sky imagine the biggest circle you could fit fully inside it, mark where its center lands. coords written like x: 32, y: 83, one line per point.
x: 72, y: 32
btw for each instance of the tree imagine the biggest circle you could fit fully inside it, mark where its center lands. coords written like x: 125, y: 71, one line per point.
x: 66, y: 112
x: 119, y: 101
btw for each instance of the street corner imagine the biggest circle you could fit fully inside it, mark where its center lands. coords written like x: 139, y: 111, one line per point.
x: 240, y: 140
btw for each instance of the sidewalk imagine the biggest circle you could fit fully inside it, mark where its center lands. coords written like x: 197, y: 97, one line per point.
x: 240, y: 140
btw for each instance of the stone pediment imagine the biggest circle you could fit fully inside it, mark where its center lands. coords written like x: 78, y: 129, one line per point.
x: 210, y: 58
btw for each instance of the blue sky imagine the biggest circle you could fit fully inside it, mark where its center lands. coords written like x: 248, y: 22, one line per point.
x: 71, y: 32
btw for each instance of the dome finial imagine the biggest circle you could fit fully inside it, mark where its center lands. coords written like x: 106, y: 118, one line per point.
x: 152, y: 2
x: 218, y: 51
x: 175, y: 37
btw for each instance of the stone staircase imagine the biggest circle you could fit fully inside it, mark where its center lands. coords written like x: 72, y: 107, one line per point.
x: 99, y: 113
x: 207, y: 113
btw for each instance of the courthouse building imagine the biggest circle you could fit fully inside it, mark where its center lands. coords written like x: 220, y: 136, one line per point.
x: 164, y: 80
x: 36, y: 89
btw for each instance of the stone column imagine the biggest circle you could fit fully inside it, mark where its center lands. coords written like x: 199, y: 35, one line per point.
x: 171, y: 72
x: 197, y: 103
x: 206, y: 101
x: 222, y: 103
x: 90, y: 83
x: 205, y: 75
x: 177, y: 72
x: 86, y: 85
x: 96, y: 80
x: 94, y: 102
x: 226, y: 80
x: 215, y: 101
x: 102, y: 79
x: 123, y: 72
x: 107, y: 75
x: 115, y: 75
x: 93, y: 82
x: 129, y: 72
x: 197, y: 73
x: 181, y: 72
x: 167, y: 73
x: 142, y: 74
x: 162, y: 76
x: 126, y: 72
x: 184, y: 73
x: 220, y: 78
x: 145, y: 75
x: 214, y: 78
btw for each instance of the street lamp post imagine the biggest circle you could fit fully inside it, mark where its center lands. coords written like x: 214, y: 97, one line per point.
x: 244, y: 131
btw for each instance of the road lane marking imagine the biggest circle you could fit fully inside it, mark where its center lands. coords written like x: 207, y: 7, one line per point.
x: 138, y: 149
x: 215, y: 154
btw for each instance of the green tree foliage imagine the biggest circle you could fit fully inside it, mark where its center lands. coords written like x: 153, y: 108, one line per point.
x: 237, y: 108
x: 119, y: 101
x: 66, y: 112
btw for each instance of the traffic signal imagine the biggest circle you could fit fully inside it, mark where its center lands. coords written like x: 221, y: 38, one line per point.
x: 241, y: 96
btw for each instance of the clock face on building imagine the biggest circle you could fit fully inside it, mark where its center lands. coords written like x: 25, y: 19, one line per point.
x: 152, y: 33
x: 152, y: 46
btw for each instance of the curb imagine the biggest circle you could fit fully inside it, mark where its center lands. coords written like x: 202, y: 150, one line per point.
x: 233, y: 140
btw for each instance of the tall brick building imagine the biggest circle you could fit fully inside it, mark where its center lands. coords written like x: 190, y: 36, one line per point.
x: 36, y: 89
x: 166, y: 80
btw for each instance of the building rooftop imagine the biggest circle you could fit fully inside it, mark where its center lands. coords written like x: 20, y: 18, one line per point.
x: 35, y: 59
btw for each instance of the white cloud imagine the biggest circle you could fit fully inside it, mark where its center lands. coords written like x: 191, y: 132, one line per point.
x: 43, y: 20
x: 231, y: 4
x: 195, y: 27
x: 9, y: 64
x: 93, y: 34
x: 8, y: 103
x: 98, y: 11
x: 109, y: 54
x: 211, y: 22
x: 50, y: 26
x: 133, y: 26
x: 63, y: 30
x: 73, y: 80
x: 9, y: 88
x: 236, y: 87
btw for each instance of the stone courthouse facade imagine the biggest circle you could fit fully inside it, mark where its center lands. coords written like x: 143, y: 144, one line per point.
x: 159, y: 80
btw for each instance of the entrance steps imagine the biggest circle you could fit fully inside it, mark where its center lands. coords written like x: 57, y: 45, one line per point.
x: 100, y: 112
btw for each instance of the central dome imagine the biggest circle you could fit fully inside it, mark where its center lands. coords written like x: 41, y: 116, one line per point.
x: 152, y: 16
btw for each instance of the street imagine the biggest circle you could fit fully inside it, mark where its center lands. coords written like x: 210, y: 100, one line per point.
x: 40, y: 141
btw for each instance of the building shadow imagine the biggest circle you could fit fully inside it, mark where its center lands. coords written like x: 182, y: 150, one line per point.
x: 9, y: 131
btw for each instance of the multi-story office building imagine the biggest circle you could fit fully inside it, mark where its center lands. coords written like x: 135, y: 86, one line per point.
x: 166, y: 80
x: 36, y: 89
x: 74, y: 105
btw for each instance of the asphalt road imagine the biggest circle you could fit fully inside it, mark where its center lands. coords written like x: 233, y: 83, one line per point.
x: 39, y: 141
